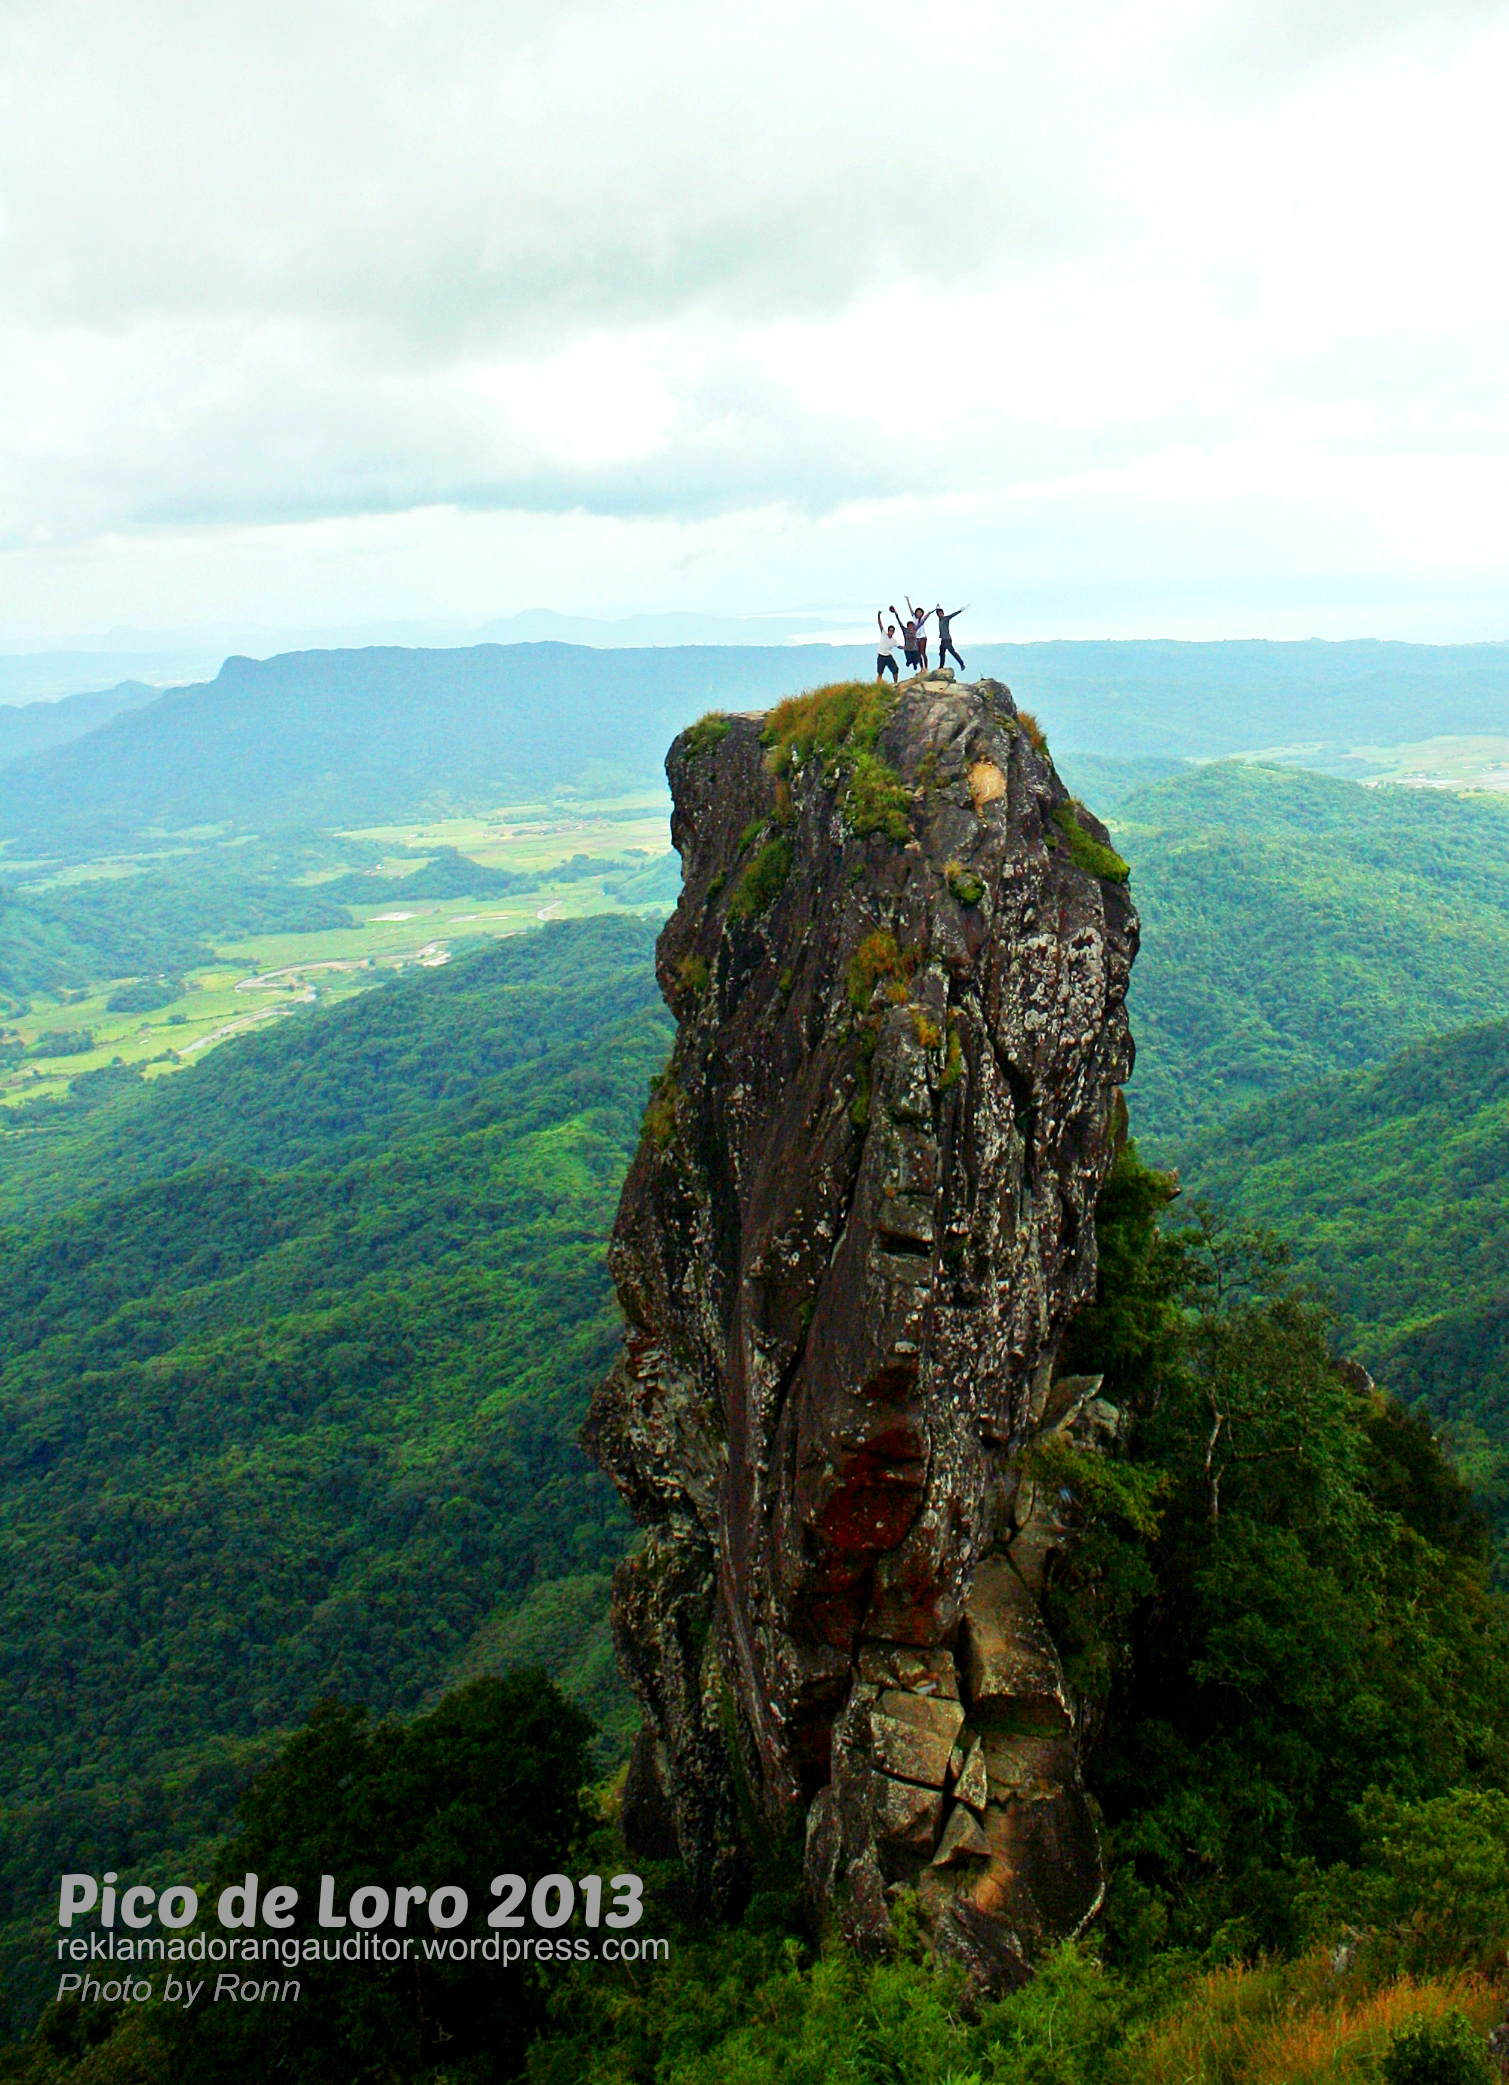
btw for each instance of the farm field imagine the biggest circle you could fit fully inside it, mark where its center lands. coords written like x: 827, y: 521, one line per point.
x: 258, y: 979
x: 1464, y: 761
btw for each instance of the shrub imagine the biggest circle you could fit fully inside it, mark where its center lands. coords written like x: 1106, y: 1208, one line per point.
x: 707, y: 732
x: 62, y: 1042
x: 953, y: 1063
x: 964, y: 884
x: 144, y: 995
x: 659, y: 1123
x: 1086, y: 851
x: 1436, y: 2052
x: 848, y: 716
x: 1033, y: 732
x: 715, y: 885
x: 763, y: 880
x: 876, y: 957
x: 693, y: 973
x: 876, y: 800
x: 1434, y: 1884
x: 841, y: 724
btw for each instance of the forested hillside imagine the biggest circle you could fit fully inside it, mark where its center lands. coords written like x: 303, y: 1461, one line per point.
x: 319, y: 739
x: 1294, y: 926
x: 31, y: 727
x: 295, y: 1341
x: 295, y: 1349
x: 1392, y: 1187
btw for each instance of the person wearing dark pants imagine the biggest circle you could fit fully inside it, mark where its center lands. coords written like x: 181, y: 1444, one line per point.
x: 885, y: 658
x: 945, y: 639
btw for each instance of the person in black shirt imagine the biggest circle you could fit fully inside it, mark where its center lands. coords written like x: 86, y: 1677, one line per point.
x: 945, y: 640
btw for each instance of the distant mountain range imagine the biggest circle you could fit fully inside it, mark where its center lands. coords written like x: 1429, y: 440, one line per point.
x: 34, y: 727
x: 351, y: 737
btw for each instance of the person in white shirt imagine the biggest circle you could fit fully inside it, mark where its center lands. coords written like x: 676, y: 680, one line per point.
x: 885, y: 658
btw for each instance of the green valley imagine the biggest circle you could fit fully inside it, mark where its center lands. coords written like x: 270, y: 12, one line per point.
x: 152, y: 957
x: 1294, y: 926
x: 296, y: 1348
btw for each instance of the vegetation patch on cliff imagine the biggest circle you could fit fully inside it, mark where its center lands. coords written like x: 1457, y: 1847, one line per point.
x: 660, y: 1115
x: 1088, y: 853
x: 707, y: 732
x: 841, y: 724
x: 964, y: 884
x: 877, y: 956
x: 762, y: 882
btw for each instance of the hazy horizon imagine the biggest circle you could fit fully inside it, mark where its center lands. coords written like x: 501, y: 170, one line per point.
x: 1163, y: 321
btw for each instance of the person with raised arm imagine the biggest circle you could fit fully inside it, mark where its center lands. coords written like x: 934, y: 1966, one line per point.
x: 885, y: 658
x: 919, y: 617
x: 908, y: 635
x: 945, y: 637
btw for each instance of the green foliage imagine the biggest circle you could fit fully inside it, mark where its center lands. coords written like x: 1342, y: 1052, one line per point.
x: 304, y: 1418
x: 162, y: 917
x: 1127, y: 1331
x: 62, y: 1042
x: 1393, y: 1187
x: 444, y: 872
x: 876, y: 957
x: 487, y: 1783
x: 846, y: 717
x: 964, y: 884
x: 1437, y: 2052
x: 859, y: 1107
x: 145, y: 995
x: 659, y: 1123
x: 763, y: 880
x: 707, y: 732
x: 1295, y: 928
x: 1086, y: 852
x: 756, y: 2007
x: 876, y: 801
x: 1315, y: 1620
x: 693, y: 973
x: 841, y: 724
x: 1431, y: 1891
x: 953, y: 1063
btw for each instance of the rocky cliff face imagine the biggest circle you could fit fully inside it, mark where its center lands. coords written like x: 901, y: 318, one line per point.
x: 859, y: 1219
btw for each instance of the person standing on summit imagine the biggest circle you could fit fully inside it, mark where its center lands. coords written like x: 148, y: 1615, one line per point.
x: 945, y: 640
x: 885, y: 658
x: 908, y: 634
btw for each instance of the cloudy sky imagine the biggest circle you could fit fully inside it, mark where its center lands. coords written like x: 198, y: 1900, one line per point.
x: 1180, y: 318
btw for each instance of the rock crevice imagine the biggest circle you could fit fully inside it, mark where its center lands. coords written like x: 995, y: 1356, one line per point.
x: 858, y: 1221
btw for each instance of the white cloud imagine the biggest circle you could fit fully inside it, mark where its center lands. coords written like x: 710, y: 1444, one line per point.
x: 1186, y: 298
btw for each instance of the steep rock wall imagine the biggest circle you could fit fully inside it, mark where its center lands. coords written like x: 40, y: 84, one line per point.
x: 858, y: 1221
